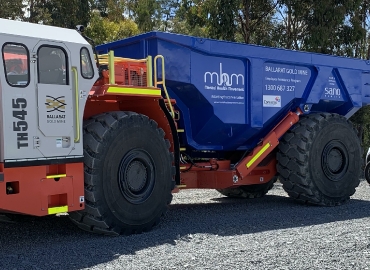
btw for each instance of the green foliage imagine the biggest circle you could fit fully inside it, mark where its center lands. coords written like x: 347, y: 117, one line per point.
x: 38, y: 13
x: 331, y: 27
x: 191, y: 19
x: 103, y: 30
x: 248, y: 21
x: 290, y: 26
x: 62, y: 13
x: 221, y: 21
x: 101, y: 6
x: 69, y: 13
x: 116, y: 9
x: 168, y: 10
x: 146, y: 13
x: 330, y: 24
x: 255, y: 20
x: 11, y: 9
x: 361, y: 121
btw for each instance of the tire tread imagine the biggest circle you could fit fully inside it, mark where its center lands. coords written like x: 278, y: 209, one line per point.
x: 293, y: 159
x: 92, y: 219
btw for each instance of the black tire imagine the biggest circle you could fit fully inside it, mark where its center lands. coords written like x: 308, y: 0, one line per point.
x: 319, y: 160
x: 128, y: 174
x: 367, y: 172
x: 250, y: 191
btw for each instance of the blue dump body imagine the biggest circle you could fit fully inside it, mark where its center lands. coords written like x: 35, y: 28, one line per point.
x: 230, y: 95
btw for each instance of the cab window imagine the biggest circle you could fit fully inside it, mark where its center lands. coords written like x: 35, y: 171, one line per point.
x: 87, y: 70
x: 16, y: 64
x: 52, y: 65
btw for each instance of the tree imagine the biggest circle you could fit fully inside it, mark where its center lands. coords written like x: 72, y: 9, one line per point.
x: 62, y: 13
x: 332, y: 27
x: 38, y: 13
x: 221, y: 20
x: 191, y: 18
x: 69, y: 13
x: 116, y: 9
x: 248, y: 21
x: 168, y: 10
x: 146, y: 13
x: 255, y: 20
x: 11, y: 9
x: 101, y: 6
x: 102, y: 30
x: 290, y: 26
x: 362, y: 49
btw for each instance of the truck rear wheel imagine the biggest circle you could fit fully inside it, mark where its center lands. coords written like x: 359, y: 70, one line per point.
x: 128, y: 174
x: 249, y: 191
x: 319, y: 160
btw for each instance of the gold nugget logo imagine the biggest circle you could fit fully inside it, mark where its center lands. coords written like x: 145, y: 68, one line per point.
x: 55, y: 104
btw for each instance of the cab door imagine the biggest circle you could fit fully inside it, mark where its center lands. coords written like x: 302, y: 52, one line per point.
x: 54, y: 92
x: 17, y: 101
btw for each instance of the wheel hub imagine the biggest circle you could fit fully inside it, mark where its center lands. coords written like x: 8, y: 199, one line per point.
x: 334, y: 160
x: 136, y: 176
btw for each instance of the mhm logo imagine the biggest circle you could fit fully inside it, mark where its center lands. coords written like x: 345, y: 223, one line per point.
x: 224, y: 78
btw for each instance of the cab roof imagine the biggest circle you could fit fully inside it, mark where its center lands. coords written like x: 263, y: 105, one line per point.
x: 25, y: 29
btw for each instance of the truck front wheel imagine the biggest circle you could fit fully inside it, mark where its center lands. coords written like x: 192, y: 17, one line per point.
x: 128, y: 174
x: 319, y: 160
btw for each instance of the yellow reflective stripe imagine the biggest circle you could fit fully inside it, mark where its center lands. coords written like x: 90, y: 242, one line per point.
x: 57, y: 210
x: 134, y: 91
x: 56, y: 176
x: 260, y: 152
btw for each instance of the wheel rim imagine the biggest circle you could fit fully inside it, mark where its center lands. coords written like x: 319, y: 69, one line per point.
x: 136, y: 176
x: 334, y: 160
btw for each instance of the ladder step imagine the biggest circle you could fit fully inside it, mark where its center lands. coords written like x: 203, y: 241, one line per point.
x: 183, y: 168
x: 180, y: 130
x: 182, y: 149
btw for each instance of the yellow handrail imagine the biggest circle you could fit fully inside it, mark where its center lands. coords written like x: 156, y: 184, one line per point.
x: 119, y: 59
x: 77, y: 138
x: 112, y: 78
x: 149, y: 69
x: 163, y: 82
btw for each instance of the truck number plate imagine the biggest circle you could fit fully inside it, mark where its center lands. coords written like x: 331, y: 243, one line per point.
x: 20, y: 125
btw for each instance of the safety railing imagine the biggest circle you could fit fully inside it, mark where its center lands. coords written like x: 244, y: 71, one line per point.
x: 162, y: 82
x: 112, y: 61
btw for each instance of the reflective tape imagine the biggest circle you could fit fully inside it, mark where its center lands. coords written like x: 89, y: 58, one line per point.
x: 260, y: 152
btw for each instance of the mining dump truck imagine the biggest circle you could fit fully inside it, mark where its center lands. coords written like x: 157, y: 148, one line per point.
x: 109, y: 134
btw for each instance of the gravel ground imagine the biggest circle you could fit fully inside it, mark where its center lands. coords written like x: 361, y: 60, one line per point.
x: 204, y: 230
